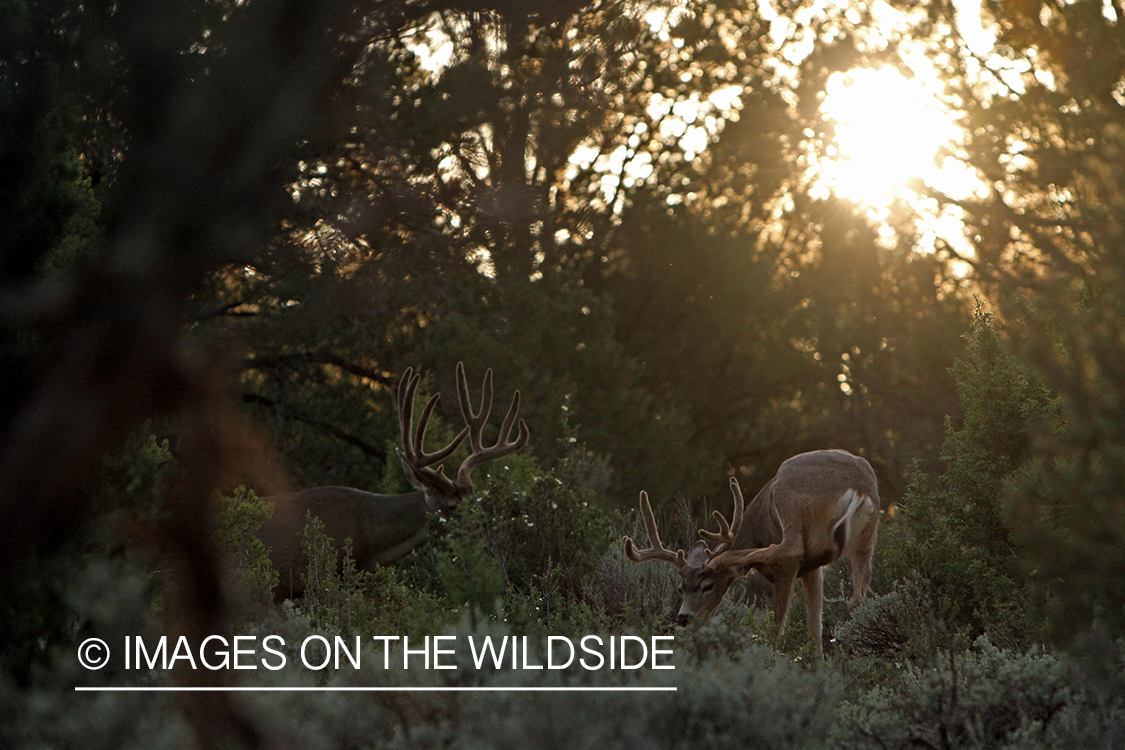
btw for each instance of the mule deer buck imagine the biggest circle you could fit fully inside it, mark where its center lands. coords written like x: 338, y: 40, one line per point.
x: 819, y: 506
x: 383, y: 528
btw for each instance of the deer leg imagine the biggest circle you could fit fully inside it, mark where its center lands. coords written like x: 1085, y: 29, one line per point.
x: 782, y: 595
x: 861, y: 549
x: 813, y: 582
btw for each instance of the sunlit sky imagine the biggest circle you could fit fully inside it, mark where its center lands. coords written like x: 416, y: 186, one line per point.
x: 888, y: 130
x: 891, y: 132
x: 894, y: 137
x: 891, y: 128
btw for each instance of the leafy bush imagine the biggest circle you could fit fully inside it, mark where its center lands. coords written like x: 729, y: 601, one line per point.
x: 237, y: 519
x: 137, y: 478
x: 954, y: 536
x: 339, y: 598
x: 530, y: 543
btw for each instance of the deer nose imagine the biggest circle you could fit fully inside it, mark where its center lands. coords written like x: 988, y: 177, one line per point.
x: 682, y: 620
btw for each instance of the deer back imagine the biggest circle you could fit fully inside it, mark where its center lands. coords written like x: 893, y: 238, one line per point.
x: 823, y: 495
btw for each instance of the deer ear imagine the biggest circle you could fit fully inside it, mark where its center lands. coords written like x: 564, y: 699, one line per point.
x: 412, y: 474
x: 738, y: 570
x: 729, y: 563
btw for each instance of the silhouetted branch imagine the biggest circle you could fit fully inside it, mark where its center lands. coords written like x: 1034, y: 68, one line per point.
x: 279, y: 360
x: 347, y: 437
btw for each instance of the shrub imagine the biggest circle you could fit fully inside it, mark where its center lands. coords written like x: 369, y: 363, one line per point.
x: 530, y: 543
x: 339, y: 598
x: 237, y: 519
x: 954, y: 537
x: 986, y: 697
x: 756, y: 699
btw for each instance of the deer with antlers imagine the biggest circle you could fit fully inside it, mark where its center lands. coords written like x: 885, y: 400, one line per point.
x: 818, y: 507
x: 383, y: 528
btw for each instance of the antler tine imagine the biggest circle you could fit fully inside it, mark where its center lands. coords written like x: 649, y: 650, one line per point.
x: 509, y: 420
x: 474, y: 423
x: 406, y: 385
x: 413, y: 441
x: 657, y: 551
x: 426, y: 459
x: 789, y: 548
x: 727, y: 532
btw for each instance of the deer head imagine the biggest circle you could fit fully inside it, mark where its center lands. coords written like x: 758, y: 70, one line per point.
x: 702, y: 588
x: 442, y: 493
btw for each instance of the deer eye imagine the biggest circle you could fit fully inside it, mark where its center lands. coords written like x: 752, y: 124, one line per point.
x: 706, y: 585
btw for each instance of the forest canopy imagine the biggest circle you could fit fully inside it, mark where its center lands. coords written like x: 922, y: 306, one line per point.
x: 697, y: 237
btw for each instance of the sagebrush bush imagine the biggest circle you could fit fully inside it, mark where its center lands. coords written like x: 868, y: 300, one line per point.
x: 755, y: 700
x: 902, y: 624
x: 986, y: 697
x: 109, y: 597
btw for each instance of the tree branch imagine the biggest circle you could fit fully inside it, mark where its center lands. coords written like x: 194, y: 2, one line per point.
x: 347, y: 437
x: 317, y: 358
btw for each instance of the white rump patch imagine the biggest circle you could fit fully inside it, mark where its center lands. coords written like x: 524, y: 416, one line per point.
x: 847, y: 505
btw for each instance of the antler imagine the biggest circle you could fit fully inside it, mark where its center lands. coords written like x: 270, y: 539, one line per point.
x: 412, y: 442
x: 727, y: 532
x: 474, y: 423
x: 657, y: 551
x: 789, y: 548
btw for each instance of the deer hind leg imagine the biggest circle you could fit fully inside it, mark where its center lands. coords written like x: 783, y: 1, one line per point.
x: 813, y: 583
x: 861, y: 548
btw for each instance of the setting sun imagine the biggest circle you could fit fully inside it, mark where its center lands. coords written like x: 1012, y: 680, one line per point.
x: 889, y: 129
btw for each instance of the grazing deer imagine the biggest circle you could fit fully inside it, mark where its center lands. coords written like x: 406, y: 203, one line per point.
x: 819, y: 506
x: 383, y: 528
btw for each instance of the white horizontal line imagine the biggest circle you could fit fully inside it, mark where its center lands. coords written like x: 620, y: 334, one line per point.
x: 246, y: 689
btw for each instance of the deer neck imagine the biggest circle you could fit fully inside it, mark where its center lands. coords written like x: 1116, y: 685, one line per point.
x: 759, y: 522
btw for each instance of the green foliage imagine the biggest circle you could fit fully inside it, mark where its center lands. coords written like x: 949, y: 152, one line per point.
x: 1006, y: 409
x: 108, y: 598
x: 464, y: 569
x: 686, y: 322
x: 534, y: 207
x: 137, y: 478
x: 755, y: 699
x: 955, y: 542
x: 37, y: 597
x: 549, y: 532
x: 1049, y: 253
x: 529, y: 543
x: 903, y: 625
x: 237, y: 518
x: 342, y: 599
x: 1068, y: 513
x: 622, y: 595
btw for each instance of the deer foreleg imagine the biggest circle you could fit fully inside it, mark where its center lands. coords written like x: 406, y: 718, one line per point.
x: 782, y: 596
x: 813, y: 581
